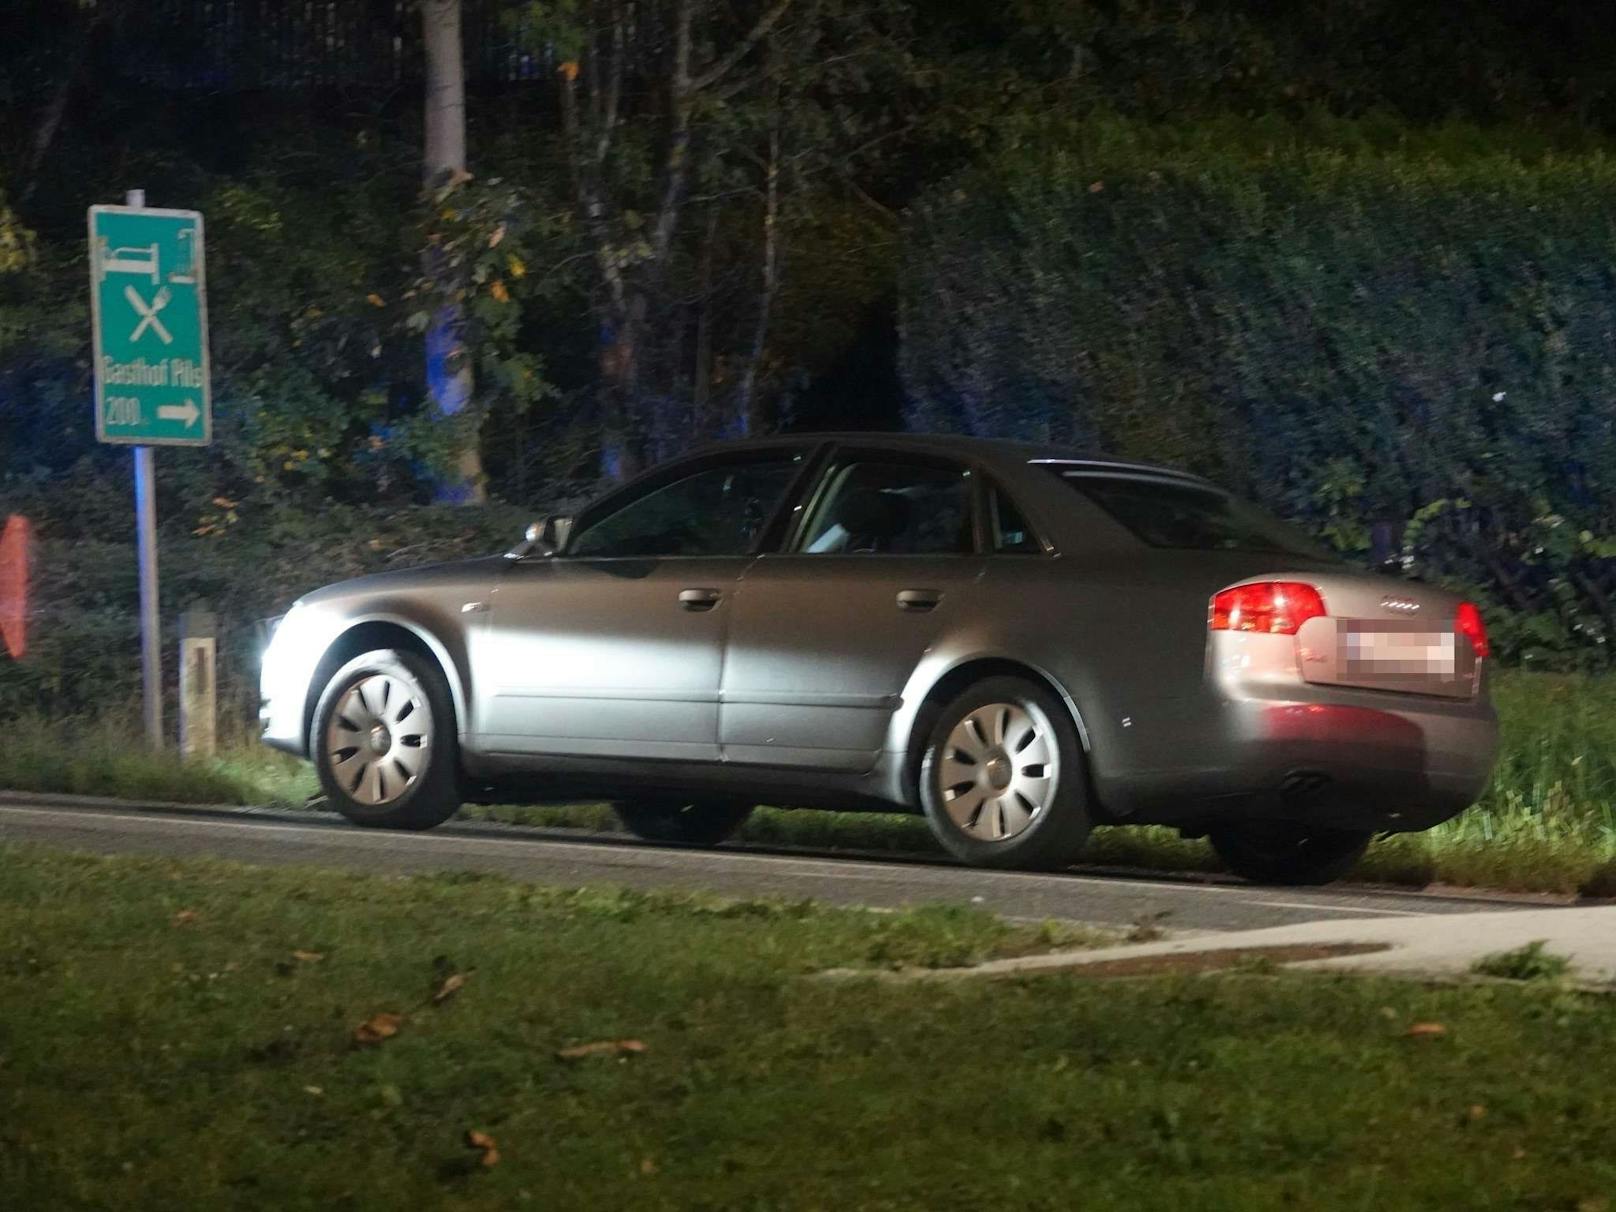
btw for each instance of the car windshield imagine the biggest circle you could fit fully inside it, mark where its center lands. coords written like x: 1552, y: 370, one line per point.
x: 1193, y: 517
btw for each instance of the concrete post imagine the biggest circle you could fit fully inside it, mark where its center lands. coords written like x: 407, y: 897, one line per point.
x: 199, y: 630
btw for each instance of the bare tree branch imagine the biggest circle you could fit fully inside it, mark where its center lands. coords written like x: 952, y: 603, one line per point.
x: 715, y: 73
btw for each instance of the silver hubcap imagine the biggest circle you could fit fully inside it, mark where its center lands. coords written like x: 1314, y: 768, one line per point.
x: 379, y: 738
x: 999, y: 770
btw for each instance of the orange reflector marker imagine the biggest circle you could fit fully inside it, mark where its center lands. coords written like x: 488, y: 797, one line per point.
x: 15, y: 541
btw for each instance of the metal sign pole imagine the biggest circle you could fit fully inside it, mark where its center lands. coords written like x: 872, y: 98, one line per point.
x: 151, y: 653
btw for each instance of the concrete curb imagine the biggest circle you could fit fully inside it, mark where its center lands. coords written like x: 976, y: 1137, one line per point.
x: 55, y: 799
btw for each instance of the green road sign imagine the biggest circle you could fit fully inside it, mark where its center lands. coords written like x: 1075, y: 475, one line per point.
x: 148, y: 297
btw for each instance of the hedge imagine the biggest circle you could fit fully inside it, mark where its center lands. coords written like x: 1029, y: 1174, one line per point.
x: 1407, y: 344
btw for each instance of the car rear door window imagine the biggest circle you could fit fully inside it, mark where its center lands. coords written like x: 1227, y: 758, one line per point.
x: 880, y: 507
x: 1189, y: 516
x: 1008, y: 526
x: 717, y: 511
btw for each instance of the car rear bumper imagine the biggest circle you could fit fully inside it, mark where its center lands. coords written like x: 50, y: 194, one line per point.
x: 1356, y: 760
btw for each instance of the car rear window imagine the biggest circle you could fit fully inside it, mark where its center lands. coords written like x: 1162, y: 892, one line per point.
x: 1191, y: 517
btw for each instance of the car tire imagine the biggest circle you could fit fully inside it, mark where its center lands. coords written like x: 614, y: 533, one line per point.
x: 384, y: 743
x: 987, y: 801
x: 690, y: 824
x: 1288, y: 852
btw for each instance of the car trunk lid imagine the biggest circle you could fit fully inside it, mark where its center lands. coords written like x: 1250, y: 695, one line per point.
x: 1382, y: 634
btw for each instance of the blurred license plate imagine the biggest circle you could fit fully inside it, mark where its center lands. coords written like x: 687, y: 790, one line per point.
x: 1401, y: 653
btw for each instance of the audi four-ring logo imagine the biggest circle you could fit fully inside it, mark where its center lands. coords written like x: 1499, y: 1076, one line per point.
x: 1400, y: 605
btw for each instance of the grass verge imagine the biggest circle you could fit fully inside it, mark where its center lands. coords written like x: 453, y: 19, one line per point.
x: 105, y: 756
x: 182, y: 1034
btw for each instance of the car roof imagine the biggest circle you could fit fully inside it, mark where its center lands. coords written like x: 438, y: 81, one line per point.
x: 1002, y: 451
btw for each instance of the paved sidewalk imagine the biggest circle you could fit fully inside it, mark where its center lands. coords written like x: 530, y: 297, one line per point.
x: 1433, y: 945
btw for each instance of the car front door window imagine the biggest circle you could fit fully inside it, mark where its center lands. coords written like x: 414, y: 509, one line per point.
x: 718, y: 511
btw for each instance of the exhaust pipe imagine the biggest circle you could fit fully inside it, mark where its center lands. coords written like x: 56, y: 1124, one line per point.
x: 1303, y: 788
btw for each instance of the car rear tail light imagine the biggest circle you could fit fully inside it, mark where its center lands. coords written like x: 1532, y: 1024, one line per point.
x: 1272, y: 607
x: 1468, y: 624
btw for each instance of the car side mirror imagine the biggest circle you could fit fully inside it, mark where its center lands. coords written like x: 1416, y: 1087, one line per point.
x: 546, y: 537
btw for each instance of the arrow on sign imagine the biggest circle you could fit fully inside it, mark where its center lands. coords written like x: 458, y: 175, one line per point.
x: 187, y: 412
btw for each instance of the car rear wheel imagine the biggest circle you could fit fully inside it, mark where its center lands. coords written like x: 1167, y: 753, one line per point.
x: 383, y: 742
x: 1003, y: 780
x: 691, y: 824
x: 1288, y: 852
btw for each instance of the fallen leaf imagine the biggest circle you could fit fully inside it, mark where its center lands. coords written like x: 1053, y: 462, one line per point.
x: 314, y: 1090
x: 605, y: 1047
x: 569, y: 70
x: 185, y: 917
x: 485, y: 1143
x: 375, y: 300
x: 378, y: 1027
x: 496, y: 236
x: 647, y: 1166
x: 1425, y: 1031
x: 1475, y: 1111
x: 307, y: 957
x: 452, y: 984
x: 500, y: 293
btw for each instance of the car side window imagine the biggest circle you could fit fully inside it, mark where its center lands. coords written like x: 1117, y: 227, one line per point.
x: 891, y: 508
x: 1008, y: 527
x: 718, y: 511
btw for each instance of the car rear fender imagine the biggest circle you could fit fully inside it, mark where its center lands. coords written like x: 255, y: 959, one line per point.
x: 931, y: 686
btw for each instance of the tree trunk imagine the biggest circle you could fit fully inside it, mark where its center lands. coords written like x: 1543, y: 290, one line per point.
x: 702, y: 374
x: 448, y: 363
x: 621, y: 444
x: 747, y: 418
x: 50, y: 122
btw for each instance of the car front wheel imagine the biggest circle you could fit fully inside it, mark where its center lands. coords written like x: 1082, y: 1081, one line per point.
x: 1003, y: 780
x: 1285, y: 852
x: 383, y: 742
x: 685, y: 823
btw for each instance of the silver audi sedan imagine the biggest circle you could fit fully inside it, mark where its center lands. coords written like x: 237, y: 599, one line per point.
x: 1019, y: 641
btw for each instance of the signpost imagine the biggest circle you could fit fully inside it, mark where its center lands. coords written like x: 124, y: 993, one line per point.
x: 148, y: 301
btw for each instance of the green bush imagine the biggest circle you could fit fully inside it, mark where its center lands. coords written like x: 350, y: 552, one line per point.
x: 1352, y: 324
x: 83, y: 657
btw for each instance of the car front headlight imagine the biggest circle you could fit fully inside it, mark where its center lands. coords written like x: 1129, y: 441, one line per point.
x: 293, y: 648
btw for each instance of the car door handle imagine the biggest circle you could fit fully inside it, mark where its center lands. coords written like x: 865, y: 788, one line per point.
x: 919, y: 599
x: 699, y: 599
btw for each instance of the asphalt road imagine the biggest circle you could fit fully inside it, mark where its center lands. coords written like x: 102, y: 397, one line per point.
x: 554, y: 857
